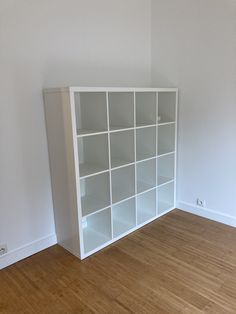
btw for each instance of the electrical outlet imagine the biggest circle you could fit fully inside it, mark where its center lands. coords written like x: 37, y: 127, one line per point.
x: 201, y: 203
x: 3, y: 249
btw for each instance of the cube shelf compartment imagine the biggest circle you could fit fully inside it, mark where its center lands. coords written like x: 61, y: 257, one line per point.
x: 166, y: 168
x: 166, y: 139
x: 112, y: 161
x: 91, y: 112
x: 93, y: 154
x: 166, y: 107
x: 165, y: 196
x: 146, y: 143
x: 146, y: 175
x: 123, y: 183
x: 124, y: 217
x: 122, y: 148
x: 95, y: 193
x: 121, y: 110
x: 97, y: 230
x: 146, y: 206
x: 145, y: 108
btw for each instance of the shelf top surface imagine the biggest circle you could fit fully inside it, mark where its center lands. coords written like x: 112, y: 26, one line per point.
x: 109, y: 89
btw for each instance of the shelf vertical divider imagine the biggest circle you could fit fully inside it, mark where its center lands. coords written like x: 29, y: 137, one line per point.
x: 109, y: 161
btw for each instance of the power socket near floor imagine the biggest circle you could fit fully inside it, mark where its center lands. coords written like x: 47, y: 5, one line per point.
x: 3, y: 249
x: 201, y: 203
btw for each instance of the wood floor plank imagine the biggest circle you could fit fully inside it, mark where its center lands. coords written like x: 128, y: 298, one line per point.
x: 180, y: 263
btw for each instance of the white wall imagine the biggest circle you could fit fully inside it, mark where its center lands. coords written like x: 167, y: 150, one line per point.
x: 56, y: 43
x: 194, y: 48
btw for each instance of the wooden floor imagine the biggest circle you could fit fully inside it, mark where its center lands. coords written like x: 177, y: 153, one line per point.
x: 178, y: 264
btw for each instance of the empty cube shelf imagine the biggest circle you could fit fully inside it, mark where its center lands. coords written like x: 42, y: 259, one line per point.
x: 97, y: 230
x: 146, y: 143
x: 91, y: 112
x: 123, y: 183
x: 145, y: 109
x: 121, y: 110
x: 93, y: 154
x: 166, y: 139
x: 95, y: 192
x: 146, y: 175
x: 166, y: 107
x: 124, y: 217
x: 165, y: 197
x: 146, y: 206
x: 166, y: 168
x: 122, y: 148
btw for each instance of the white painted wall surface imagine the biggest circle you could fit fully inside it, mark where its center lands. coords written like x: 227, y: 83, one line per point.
x: 194, y: 48
x: 56, y: 43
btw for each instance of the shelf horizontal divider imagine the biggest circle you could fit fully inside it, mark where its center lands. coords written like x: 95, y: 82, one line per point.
x: 165, y: 154
x: 114, y: 129
x: 86, y: 133
x: 143, y: 125
x: 144, y: 186
x: 162, y: 180
x: 87, y: 170
x: 92, y: 204
x: 117, y: 164
x: 166, y: 123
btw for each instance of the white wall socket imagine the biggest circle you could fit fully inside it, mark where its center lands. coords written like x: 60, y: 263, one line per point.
x: 3, y: 249
x: 201, y: 203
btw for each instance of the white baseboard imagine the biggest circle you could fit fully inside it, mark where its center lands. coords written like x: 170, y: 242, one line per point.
x: 207, y: 213
x: 27, y: 250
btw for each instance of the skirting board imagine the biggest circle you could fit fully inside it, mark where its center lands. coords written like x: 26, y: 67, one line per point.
x: 207, y: 213
x: 27, y: 250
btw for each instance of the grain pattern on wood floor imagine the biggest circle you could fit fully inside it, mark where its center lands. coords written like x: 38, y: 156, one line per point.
x: 180, y: 263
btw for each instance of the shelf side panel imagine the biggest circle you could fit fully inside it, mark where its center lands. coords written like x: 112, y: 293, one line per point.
x: 62, y: 167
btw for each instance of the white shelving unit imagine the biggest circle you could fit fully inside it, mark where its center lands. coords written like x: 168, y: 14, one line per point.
x: 97, y: 230
x: 93, y: 154
x: 121, y: 110
x: 166, y: 107
x: 95, y: 193
x: 146, y: 143
x: 165, y: 196
x: 122, y: 148
x: 123, y: 183
x: 124, y: 217
x: 166, y: 168
x: 112, y: 158
x: 146, y: 206
x: 90, y: 110
x: 166, y: 138
x: 145, y: 109
x: 146, y: 175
